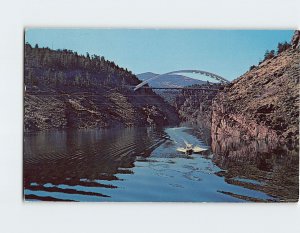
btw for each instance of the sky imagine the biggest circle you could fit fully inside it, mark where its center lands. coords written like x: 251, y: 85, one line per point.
x: 228, y: 53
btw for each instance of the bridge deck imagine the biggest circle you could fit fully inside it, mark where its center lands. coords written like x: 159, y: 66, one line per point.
x: 201, y: 72
x: 181, y: 88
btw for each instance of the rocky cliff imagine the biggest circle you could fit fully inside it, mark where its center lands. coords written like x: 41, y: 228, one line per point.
x: 264, y: 102
x: 195, y: 107
x: 67, y: 90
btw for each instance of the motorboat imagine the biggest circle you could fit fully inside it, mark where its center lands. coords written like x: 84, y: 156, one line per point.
x: 198, y: 149
x: 189, y: 149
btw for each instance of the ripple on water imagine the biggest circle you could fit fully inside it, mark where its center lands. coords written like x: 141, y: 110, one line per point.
x: 136, y: 164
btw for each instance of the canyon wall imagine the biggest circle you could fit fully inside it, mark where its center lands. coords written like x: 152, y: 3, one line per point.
x: 66, y: 90
x: 264, y: 102
x: 195, y: 108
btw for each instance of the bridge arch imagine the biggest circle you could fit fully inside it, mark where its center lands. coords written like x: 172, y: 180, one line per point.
x: 202, y: 72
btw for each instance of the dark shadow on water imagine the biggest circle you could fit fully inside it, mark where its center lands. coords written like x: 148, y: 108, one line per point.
x: 259, y: 165
x: 82, y: 158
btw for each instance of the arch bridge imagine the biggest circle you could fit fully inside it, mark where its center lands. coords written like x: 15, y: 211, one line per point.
x: 201, y: 72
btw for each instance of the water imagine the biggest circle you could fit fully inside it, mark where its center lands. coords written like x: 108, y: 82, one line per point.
x: 142, y: 164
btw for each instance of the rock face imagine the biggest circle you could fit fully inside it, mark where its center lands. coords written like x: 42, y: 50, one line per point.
x: 264, y: 102
x: 44, y: 112
x: 296, y: 40
x: 195, y: 107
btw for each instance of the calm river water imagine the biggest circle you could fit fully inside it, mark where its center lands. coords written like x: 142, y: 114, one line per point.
x: 142, y: 164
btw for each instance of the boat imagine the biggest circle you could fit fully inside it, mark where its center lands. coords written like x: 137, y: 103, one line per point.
x: 198, y: 149
x: 189, y: 149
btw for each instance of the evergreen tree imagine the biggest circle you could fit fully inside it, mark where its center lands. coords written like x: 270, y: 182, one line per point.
x: 269, y: 54
x: 282, y: 47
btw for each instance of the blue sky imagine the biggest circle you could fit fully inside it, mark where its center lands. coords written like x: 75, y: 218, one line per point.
x: 228, y: 53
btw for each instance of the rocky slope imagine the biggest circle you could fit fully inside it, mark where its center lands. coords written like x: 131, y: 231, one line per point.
x: 195, y: 107
x: 264, y: 102
x: 67, y: 90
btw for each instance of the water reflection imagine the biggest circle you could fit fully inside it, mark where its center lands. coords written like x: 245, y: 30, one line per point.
x: 142, y: 164
x: 259, y: 165
x: 82, y: 158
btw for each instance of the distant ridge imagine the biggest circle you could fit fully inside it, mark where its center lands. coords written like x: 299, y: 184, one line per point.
x: 173, y: 80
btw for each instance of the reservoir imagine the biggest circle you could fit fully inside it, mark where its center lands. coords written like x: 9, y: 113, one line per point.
x: 142, y: 164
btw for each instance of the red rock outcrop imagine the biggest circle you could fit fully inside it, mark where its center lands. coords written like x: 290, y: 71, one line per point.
x: 296, y: 40
x: 264, y: 102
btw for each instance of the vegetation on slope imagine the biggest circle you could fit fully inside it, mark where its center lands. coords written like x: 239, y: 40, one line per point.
x: 67, y: 90
x: 264, y: 102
